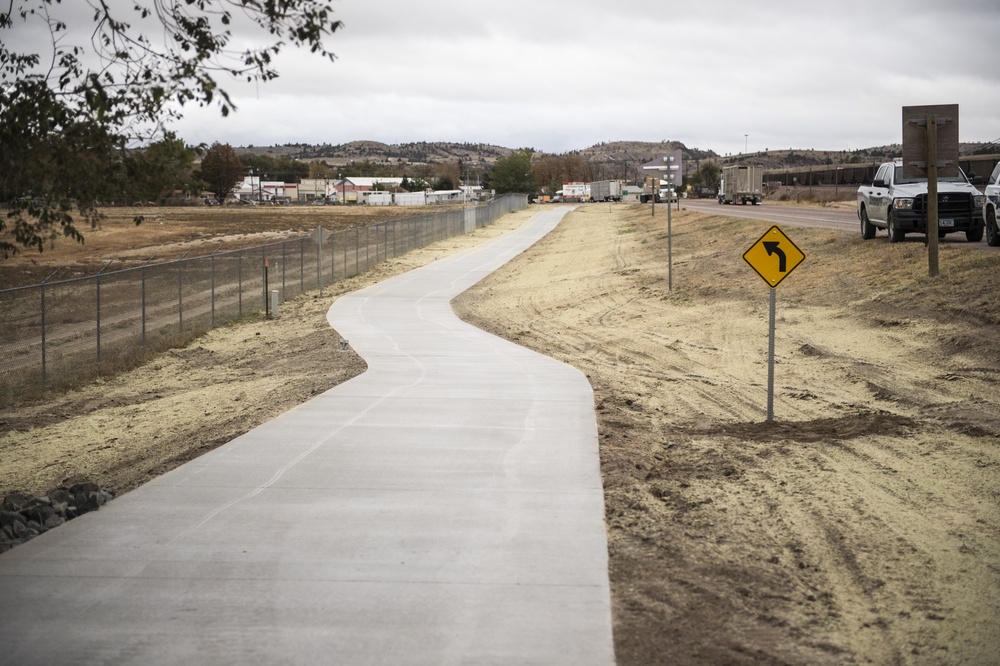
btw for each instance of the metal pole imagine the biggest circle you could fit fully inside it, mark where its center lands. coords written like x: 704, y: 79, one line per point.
x: 44, y: 377
x: 770, y: 360
x: 670, y: 253
x: 144, y: 304
x: 319, y: 267
x: 239, y: 278
x: 98, y: 281
x: 180, y: 297
x: 213, y: 294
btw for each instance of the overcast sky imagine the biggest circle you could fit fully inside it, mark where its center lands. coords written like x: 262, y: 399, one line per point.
x: 560, y: 75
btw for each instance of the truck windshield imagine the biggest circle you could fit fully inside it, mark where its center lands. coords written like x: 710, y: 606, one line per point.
x: 960, y: 178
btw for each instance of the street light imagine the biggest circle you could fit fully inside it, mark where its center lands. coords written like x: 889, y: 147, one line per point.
x: 746, y: 143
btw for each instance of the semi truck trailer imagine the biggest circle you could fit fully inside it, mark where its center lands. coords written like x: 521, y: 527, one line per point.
x: 741, y: 184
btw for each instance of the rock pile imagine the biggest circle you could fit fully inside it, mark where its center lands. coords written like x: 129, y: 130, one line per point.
x: 23, y: 517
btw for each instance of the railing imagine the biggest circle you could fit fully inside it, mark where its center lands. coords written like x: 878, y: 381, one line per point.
x: 51, y: 329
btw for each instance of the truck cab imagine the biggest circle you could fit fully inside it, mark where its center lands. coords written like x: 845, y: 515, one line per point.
x: 899, y: 205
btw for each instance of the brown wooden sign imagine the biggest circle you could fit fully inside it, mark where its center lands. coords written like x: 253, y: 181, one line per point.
x: 915, y: 142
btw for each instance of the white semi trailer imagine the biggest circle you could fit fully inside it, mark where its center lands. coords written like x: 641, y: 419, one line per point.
x: 741, y: 184
x: 606, y: 190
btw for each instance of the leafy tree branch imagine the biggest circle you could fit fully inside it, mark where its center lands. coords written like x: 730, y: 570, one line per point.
x: 67, y: 104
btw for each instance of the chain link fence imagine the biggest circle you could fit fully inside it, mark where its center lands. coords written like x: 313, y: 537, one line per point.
x: 73, y: 327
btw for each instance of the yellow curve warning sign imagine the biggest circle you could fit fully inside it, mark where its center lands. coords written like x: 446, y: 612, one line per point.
x: 774, y: 256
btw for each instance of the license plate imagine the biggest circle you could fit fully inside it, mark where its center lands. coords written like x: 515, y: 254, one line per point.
x: 946, y: 223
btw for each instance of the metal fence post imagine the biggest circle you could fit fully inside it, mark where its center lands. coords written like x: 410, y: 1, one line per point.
x: 213, y: 291
x: 266, y: 267
x: 97, y: 281
x: 239, y: 278
x: 143, y: 306
x: 44, y: 377
x: 180, y: 298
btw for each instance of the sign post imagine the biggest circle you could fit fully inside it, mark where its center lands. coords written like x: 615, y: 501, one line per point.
x: 672, y: 167
x: 930, y: 150
x: 773, y: 257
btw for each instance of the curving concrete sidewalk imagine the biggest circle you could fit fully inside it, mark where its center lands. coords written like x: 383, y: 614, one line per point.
x: 445, y: 507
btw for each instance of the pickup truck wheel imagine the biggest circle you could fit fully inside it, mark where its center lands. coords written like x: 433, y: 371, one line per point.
x: 867, y: 228
x: 992, y: 233
x: 974, y: 235
x: 896, y: 234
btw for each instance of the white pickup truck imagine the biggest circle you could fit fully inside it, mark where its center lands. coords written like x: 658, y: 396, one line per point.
x: 990, y: 207
x: 899, y: 205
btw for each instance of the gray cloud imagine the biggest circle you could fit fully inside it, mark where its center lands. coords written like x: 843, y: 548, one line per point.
x: 559, y: 75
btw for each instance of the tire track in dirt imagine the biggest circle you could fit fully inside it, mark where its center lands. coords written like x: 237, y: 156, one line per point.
x: 862, y: 525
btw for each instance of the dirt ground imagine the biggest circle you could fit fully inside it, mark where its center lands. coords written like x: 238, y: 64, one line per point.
x: 173, y: 232
x: 862, y: 526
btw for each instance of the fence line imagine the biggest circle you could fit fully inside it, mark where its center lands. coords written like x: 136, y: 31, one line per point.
x: 56, y: 328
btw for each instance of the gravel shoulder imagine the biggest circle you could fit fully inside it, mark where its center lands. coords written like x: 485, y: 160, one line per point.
x: 862, y: 526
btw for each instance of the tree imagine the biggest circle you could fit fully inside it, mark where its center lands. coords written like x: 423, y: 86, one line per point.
x: 513, y: 173
x: 222, y: 170
x: 70, y: 111
x: 162, y: 168
x: 290, y: 170
x: 446, y: 175
x: 414, y: 184
x: 708, y: 174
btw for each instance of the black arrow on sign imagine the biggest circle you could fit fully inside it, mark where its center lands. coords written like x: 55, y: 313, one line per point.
x: 772, y: 248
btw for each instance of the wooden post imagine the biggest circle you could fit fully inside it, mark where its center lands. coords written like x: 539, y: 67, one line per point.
x: 932, y: 196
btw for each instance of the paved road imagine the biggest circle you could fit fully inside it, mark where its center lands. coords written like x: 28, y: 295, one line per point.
x: 443, y: 508
x: 838, y: 219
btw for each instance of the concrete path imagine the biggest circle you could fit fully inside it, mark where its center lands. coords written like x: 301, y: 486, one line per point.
x: 445, y: 507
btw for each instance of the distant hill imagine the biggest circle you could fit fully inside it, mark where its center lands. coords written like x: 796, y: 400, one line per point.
x: 422, y: 152
x: 609, y: 153
x: 642, y: 151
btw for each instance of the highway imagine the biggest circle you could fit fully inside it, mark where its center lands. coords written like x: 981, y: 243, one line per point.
x: 813, y: 217
x: 837, y: 219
